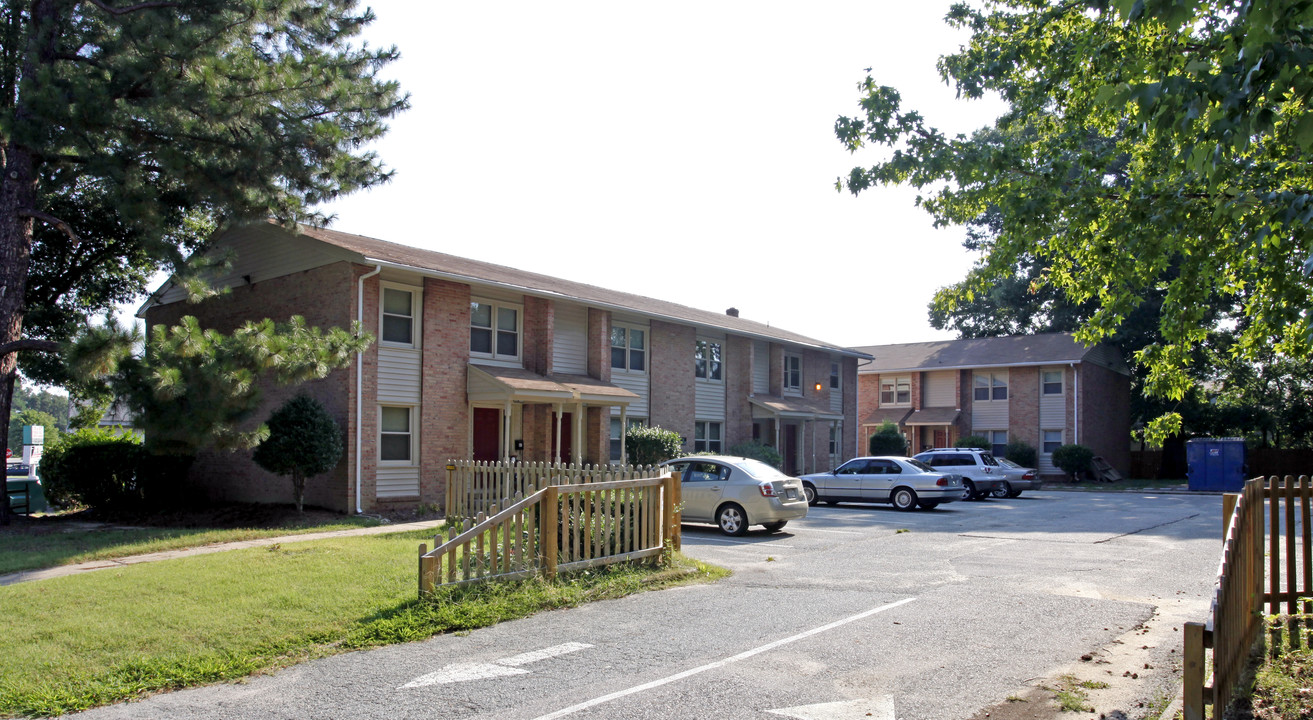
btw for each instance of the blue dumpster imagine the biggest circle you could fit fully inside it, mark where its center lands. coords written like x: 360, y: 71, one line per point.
x: 1215, y: 464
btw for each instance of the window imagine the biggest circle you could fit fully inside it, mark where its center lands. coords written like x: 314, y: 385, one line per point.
x: 628, y: 348
x: 998, y: 441
x: 1051, y: 382
x: 706, y: 437
x: 793, y: 373
x: 615, y: 436
x: 990, y: 386
x: 394, y: 442
x: 707, y: 360
x: 1052, y: 441
x: 836, y: 439
x: 896, y: 391
x: 834, y: 376
x: 398, y: 322
x: 494, y: 330
x: 884, y: 467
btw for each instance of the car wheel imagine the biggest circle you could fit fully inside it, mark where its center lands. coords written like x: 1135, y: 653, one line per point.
x: 732, y: 520
x: 809, y: 492
x: 772, y: 527
x: 1014, y: 493
x: 929, y: 504
x: 968, y: 490
x: 904, y: 499
x: 1002, y: 490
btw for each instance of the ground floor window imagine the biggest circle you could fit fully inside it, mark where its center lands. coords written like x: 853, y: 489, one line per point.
x: 998, y: 442
x: 615, y: 436
x: 395, y: 437
x: 707, y: 437
x: 1052, y: 441
x: 836, y: 440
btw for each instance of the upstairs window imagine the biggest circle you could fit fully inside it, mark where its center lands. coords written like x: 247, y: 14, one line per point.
x: 988, y: 387
x: 494, y: 330
x: 628, y: 348
x: 707, y: 361
x: 398, y: 321
x: 896, y: 391
x: 834, y: 376
x: 1051, y: 382
x: 793, y: 373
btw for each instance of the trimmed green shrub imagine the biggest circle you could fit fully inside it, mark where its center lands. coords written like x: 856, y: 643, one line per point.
x: 887, y: 440
x: 1073, y: 459
x: 759, y: 451
x: 303, y: 441
x: 979, y: 442
x: 649, y: 445
x: 96, y: 467
x: 1021, y: 454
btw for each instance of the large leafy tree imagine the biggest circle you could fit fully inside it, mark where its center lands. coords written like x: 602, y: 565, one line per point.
x: 161, y: 112
x: 1153, y: 149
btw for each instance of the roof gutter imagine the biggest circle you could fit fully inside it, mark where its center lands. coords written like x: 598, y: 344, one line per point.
x: 466, y: 279
x: 360, y: 381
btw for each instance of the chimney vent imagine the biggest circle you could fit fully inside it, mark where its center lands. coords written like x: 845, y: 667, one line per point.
x: 732, y: 312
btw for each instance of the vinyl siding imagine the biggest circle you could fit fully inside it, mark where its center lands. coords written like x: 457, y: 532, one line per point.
x: 397, y: 482
x: 989, y: 415
x: 638, y: 384
x: 710, y: 401
x: 398, y: 375
x: 570, y: 340
x: 940, y: 390
x: 761, y: 367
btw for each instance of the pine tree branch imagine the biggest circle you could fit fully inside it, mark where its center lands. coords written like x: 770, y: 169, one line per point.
x: 52, y: 220
x: 131, y: 8
x: 29, y: 344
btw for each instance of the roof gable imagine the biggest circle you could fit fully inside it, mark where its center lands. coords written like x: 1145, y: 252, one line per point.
x: 1007, y: 351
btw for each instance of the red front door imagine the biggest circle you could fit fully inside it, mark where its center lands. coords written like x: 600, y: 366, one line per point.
x: 487, y: 434
x: 567, y: 436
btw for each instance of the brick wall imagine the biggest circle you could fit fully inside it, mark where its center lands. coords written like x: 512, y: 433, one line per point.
x: 1105, y: 414
x: 671, y: 355
x: 599, y: 344
x: 851, y: 415
x: 1023, y: 405
x: 325, y: 297
x: 444, y: 414
x: 539, y: 333
x: 738, y: 386
x: 868, y: 400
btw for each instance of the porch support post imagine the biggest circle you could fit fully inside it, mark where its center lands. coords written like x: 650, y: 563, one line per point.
x: 557, y: 448
x: 624, y: 425
x: 577, y: 437
x: 506, y: 431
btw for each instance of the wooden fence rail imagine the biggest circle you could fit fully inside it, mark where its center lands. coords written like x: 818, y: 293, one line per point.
x: 556, y: 528
x: 475, y: 487
x: 1235, y: 621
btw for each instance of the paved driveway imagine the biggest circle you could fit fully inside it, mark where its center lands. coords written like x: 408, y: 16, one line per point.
x: 854, y: 612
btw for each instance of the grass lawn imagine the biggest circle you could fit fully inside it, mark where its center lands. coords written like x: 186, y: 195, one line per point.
x: 75, y: 642
x: 41, y: 542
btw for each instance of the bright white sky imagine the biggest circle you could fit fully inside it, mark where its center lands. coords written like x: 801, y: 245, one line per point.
x: 679, y: 150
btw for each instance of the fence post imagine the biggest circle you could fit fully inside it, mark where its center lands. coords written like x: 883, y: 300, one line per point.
x: 451, y: 491
x: 670, y: 511
x: 551, y: 525
x: 1228, y: 511
x: 425, y: 570
x: 1193, y: 699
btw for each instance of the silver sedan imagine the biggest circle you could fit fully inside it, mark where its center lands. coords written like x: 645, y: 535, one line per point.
x: 735, y: 492
x: 904, y: 482
x: 1015, y: 479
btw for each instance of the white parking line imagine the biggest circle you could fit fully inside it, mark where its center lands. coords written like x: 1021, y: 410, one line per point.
x: 739, y: 542
x: 837, y: 532
x: 719, y: 663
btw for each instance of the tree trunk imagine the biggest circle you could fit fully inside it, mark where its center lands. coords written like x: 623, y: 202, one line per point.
x: 298, y: 489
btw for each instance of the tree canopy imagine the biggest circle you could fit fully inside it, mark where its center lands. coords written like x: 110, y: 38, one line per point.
x: 1153, y: 151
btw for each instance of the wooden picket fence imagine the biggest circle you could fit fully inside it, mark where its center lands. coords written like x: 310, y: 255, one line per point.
x: 557, y: 528
x: 1272, y: 514
x: 475, y: 487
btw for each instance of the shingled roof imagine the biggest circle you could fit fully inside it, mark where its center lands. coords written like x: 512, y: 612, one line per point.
x: 1008, y: 351
x: 436, y: 264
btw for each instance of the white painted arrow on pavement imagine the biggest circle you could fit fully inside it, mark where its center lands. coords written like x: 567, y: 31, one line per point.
x: 881, y: 708
x: 464, y: 672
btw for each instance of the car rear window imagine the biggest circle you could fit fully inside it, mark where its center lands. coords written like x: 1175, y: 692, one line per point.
x: 988, y: 459
x: 760, y: 470
x: 920, y: 465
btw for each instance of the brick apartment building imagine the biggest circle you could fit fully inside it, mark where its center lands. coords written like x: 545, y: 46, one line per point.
x: 1045, y: 390
x: 477, y: 360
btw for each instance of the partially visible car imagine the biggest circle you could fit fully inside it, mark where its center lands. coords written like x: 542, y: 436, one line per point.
x: 1015, y: 479
x: 17, y: 469
x: 904, y: 482
x: 979, y: 470
x: 736, y: 492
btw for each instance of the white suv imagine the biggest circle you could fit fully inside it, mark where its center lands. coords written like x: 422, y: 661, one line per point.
x: 980, y: 472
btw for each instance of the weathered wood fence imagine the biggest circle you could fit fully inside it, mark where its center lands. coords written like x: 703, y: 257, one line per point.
x: 475, y: 487
x: 557, y: 528
x: 1271, y: 514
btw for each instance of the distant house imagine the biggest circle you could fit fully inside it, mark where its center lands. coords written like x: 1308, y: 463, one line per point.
x: 1045, y: 390
x: 483, y: 361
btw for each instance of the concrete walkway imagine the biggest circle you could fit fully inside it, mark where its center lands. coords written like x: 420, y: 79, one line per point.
x: 62, y: 570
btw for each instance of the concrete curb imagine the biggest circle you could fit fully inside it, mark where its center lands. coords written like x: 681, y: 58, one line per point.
x: 76, y: 569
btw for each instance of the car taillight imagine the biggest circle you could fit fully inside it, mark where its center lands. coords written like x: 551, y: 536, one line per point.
x: 1029, y: 476
x: 942, y: 482
x: 767, y: 490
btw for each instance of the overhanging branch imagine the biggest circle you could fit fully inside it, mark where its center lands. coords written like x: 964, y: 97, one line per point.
x: 29, y: 344
x: 52, y: 220
x: 131, y: 8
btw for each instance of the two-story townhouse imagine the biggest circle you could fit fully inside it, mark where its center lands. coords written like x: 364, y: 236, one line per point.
x: 1045, y: 390
x: 478, y: 360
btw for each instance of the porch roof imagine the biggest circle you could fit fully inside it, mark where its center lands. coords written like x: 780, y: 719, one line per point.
x: 491, y: 383
x: 793, y: 407
x: 880, y: 416
x: 933, y: 416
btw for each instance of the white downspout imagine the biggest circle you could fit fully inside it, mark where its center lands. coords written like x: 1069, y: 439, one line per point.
x: 360, y: 382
